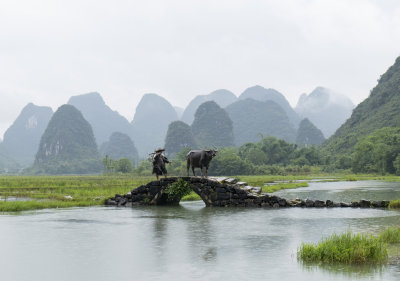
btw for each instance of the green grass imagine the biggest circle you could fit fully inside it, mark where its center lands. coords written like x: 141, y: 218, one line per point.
x: 346, y: 248
x: 395, y: 204
x: 193, y: 196
x: 50, y: 191
x: 279, y: 186
x: 390, y: 235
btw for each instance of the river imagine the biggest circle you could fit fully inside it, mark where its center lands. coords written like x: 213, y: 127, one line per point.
x: 191, y: 242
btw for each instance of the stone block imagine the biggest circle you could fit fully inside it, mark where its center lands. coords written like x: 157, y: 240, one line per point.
x: 319, y: 203
x: 223, y: 196
x: 231, y: 180
x: 329, y: 203
x: 309, y: 203
x: 355, y: 204
x: 365, y: 203
x: 282, y: 202
x: 344, y: 205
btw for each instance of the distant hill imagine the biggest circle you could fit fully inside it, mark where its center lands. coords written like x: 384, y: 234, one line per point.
x: 150, y: 123
x: 120, y: 146
x: 262, y: 94
x: 179, y: 111
x: 7, y: 164
x: 22, y: 138
x: 380, y: 109
x: 67, y: 145
x: 103, y: 119
x: 253, y: 119
x: 325, y: 109
x: 308, y: 134
x: 212, y: 126
x: 179, y: 136
x: 222, y: 97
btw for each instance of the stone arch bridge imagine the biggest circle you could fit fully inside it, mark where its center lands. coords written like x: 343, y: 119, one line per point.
x: 224, y: 192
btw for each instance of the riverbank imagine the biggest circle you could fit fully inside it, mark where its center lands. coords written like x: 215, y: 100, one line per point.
x: 20, y: 193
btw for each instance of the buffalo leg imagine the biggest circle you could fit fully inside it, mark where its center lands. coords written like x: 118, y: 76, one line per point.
x: 193, y: 171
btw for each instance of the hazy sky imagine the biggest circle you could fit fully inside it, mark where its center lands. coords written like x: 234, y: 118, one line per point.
x: 51, y: 50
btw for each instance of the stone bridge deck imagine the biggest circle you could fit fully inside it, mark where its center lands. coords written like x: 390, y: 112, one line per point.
x: 224, y: 192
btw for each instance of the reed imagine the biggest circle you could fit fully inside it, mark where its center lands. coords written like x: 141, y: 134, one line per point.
x: 390, y: 235
x: 346, y: 248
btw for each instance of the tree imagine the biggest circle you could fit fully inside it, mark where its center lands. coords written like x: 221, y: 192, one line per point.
x: 377, y: 152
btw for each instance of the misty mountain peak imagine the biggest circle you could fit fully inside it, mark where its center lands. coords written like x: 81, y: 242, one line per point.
x: 93, y: 98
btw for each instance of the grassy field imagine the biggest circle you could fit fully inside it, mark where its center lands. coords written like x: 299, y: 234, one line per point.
x: 349, y: 248
x: 69, y: 191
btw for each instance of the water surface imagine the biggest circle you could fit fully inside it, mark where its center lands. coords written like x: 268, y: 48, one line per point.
x: 190, y: 242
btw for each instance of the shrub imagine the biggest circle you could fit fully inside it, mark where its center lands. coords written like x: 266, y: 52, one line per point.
x: 177, y: 190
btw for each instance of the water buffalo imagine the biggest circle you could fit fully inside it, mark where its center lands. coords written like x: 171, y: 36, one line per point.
x: 200, y: 159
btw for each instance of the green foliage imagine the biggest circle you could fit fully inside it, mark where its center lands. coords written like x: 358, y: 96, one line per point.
x: 346, y: 248
x: 377, y: 153
x: 380, y: 109
x: 212, y: 126
x: 252, y: 118
x: 308, y: 134
x: 390, y: 235
x: 228, y: 163
x: 394, y: 204
x: 122, y: 165
x: 177, y: 190
x: 120, y: 146
x: 193, y: 196
x: 179, y: 136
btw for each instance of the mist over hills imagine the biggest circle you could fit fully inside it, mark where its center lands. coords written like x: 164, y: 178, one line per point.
x: 22, y: 139
x: 325, y: 109
x: 150, y: 123
x: 67, y: 145
x: 222, y: 97
x: 308, y: 134
x: 7, y: 164
x: 258, y: 111
x: 253, y: 119
x: 262, y: 94
x: 380, y: 109
x: 120, y: 146
x: 103, y: 119
x: 212, y: 126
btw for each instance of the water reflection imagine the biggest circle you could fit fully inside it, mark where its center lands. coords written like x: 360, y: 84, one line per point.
x: 186, y: 242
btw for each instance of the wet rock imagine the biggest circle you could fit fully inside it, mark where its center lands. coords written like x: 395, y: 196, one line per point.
x: 319, y: 203
x: 309, y: 203
x: 344, y: 205
x: 111, y: 202
x: 365, y: 203
x: 266, y: 205
x: 275, y: 206
x: 282, y: 202
x: 355, y: 204
x: 336, y: 205
x: 378, y: 204
x: 329, y: 203
x: 230, y: 180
